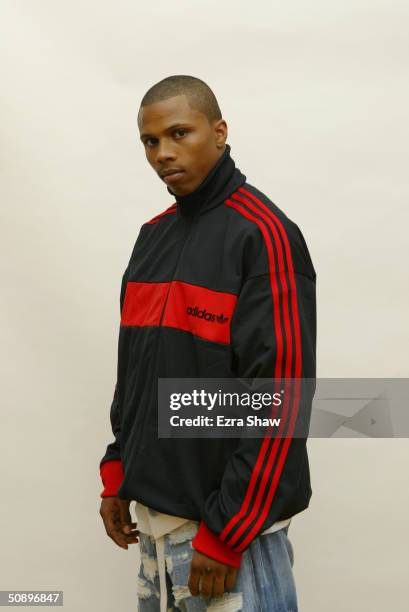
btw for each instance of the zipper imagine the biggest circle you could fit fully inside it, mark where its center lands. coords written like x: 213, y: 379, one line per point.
x: 167, y: 294
x: 141, y: 426
x: 188, y: 227
x: 154, y: 365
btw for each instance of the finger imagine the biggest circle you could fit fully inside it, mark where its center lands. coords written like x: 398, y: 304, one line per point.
x: 130, y: 528
x: 129, y: 531
x: 121, y: 539
x: 230, y: 579
x: 206, y: 584
x: 218, y: 585
x: 193, y: 583
x: 118, y: 537
x: 131, y: 537
x: 114, y: 531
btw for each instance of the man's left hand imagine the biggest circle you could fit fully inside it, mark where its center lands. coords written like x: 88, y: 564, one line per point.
x: 210, y: 578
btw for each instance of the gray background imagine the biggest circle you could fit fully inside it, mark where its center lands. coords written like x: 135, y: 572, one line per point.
x: 315, y: 96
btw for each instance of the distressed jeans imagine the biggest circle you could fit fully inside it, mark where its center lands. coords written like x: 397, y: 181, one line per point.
x: 264, y: 583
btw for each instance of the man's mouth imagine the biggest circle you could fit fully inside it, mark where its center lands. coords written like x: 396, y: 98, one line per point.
x: 172, y: 176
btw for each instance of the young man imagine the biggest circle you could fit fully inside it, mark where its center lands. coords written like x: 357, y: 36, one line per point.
x: 213, y: 514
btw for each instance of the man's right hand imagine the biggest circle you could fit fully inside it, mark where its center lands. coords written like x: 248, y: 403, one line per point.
x: 118, y: 521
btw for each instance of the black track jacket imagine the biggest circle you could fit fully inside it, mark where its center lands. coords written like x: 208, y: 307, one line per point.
x: 227, y: 249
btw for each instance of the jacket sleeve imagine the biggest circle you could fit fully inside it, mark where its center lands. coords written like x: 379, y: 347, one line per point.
x: 273, y: 335
x: 110, y: 465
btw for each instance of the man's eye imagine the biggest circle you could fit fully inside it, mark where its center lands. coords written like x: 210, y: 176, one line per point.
x: 147, y: 141
x: 181, y: 131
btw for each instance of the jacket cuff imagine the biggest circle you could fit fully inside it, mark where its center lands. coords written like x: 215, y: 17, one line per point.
x: 111, y: 476
x: 207, y: 543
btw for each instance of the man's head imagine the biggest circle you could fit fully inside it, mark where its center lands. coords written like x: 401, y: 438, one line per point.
x: 181, y: 127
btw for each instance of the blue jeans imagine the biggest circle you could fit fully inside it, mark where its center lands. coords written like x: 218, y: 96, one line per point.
x: 264, y: 583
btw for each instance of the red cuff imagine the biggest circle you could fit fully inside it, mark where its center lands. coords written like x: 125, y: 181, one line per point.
x: 111, y: 476
x: 207, y: 543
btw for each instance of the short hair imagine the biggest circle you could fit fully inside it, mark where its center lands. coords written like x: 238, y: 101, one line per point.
x: 198, y: 93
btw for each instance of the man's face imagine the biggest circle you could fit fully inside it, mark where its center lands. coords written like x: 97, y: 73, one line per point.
x: 179, y: 138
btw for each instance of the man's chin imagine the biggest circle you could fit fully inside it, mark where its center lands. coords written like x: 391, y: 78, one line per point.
x: 180, y: 191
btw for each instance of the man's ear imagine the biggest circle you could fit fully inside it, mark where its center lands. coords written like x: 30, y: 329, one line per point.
x: 220, y: 131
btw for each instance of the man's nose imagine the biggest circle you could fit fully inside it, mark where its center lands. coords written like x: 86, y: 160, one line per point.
x: 164, y: 152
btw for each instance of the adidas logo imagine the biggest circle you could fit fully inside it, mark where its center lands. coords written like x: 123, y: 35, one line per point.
x: 201, y: 313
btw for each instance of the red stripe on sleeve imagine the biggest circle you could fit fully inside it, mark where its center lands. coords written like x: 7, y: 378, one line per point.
x: 267, y: 218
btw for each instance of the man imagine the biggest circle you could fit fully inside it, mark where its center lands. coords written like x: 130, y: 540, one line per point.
x: 213, y: 514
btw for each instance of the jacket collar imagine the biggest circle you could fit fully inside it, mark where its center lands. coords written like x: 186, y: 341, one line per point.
x: 222, y: 180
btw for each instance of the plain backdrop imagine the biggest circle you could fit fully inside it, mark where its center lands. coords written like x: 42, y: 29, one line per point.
x: 315, y: 95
